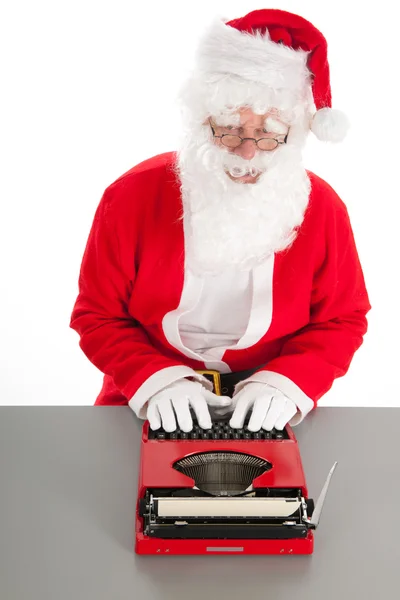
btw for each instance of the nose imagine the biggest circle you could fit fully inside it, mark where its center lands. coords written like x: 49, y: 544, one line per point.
x: 246, y: 150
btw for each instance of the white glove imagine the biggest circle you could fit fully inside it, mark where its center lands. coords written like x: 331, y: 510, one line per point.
x: 271, y: 408
x: 177, y: 399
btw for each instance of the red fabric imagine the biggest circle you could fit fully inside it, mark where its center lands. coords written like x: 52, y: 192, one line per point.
x: 322, y: 350
x: 132, y: 275
x: 297, y: 33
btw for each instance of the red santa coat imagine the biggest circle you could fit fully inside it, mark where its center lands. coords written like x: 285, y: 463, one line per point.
x: 308, y: 309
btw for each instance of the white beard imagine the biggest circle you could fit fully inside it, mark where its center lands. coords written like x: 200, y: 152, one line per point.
x: 229, y: 224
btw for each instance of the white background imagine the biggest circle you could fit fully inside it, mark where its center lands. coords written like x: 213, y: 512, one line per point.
x: 88, y: 91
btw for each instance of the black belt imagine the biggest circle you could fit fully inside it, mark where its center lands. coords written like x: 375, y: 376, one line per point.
x: 224, y: 383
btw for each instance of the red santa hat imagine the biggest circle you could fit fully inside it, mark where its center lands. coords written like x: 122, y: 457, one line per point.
x: 240, y: 60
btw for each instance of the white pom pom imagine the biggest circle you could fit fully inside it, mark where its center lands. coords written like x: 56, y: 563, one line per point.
x: 330, y: 125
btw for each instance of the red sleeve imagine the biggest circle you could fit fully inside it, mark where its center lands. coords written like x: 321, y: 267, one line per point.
x: 109, y: 337
x: 322, y: 350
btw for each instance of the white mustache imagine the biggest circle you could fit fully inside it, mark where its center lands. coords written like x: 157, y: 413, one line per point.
x: 239, y: 167
x: 237, y: 171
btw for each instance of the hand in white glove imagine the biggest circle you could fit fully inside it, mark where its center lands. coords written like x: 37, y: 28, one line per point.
x: 171, y: 406
x: 271, y: 408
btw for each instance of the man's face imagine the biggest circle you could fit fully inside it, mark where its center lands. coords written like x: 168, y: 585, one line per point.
x: 246, y: 124
x: 238, y: 226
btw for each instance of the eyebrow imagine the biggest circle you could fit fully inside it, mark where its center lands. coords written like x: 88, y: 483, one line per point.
x: 241, y: 126
x: 267, y: 129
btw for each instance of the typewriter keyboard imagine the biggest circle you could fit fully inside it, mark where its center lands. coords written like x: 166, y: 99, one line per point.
x: 219, y: 431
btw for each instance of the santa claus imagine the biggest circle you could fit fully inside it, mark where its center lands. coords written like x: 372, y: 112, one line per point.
x: 228, y: 255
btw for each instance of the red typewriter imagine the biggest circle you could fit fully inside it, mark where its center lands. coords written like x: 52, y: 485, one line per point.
x: 224, y: 491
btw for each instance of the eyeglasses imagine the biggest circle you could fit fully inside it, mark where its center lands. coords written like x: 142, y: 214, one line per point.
x: 234, y: 141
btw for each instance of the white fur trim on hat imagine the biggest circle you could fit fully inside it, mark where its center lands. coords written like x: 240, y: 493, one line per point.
x: 235, y: 69
x: 330, y: 125
x: 224, y: 51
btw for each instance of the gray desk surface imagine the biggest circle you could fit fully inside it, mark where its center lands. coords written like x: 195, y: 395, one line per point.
x: 68, y: 479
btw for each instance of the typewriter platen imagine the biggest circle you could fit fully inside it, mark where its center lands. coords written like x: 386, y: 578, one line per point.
x: 224, y: 491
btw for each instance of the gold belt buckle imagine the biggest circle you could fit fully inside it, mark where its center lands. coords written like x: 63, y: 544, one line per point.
x: 216, y: 380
